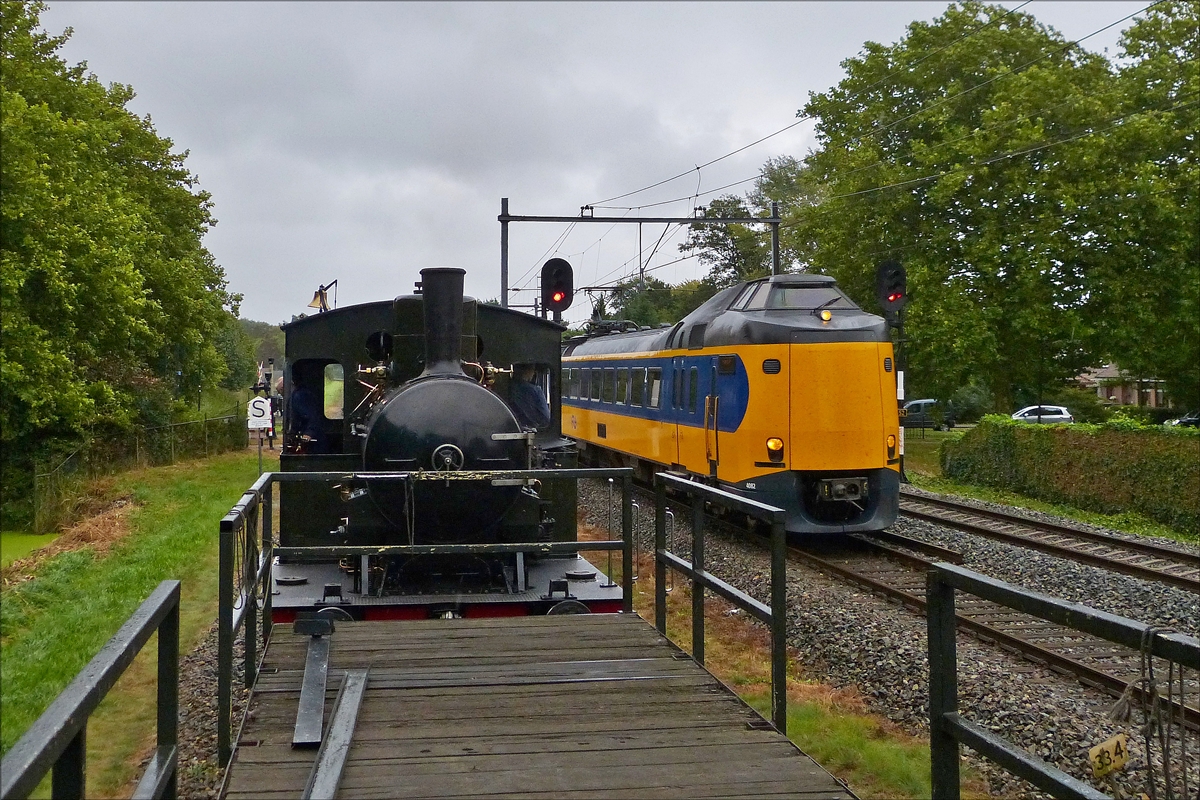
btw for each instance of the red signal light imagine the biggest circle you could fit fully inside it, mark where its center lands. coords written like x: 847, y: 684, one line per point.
x: 558, y: 296
x: 894, y: 297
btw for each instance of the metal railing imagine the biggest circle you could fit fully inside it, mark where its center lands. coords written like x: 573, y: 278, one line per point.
x: 773, y: 616
x: 57, y: 740
x: 248, y: 548
x: 947, y: 729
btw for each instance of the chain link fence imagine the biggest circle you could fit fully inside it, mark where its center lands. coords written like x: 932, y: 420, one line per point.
x: 58, y: 492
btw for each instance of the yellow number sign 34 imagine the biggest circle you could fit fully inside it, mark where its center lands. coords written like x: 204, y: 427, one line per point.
x: 1110, y: 755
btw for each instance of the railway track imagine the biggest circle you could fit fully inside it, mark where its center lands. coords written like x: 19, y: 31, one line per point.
x: 885, y: 570
x: 882, y: 564
x: 1169, y: 565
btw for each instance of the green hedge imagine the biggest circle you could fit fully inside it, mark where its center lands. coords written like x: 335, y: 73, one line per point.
x: 1112, y: 467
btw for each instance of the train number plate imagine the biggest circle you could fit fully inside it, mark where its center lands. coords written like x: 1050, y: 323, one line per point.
x: 1110, y: 755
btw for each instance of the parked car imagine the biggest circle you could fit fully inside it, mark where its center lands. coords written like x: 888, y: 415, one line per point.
x: 1044, y: 414
x: 1188, y: 420
x: 927, y: 413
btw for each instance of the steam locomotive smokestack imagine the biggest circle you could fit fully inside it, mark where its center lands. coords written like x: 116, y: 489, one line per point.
x: 442, y: 297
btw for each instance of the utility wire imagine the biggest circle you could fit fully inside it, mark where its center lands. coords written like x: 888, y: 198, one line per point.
x: 806, y: 117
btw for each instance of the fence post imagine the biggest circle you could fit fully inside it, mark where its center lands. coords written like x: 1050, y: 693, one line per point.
x: 660, y: 565
x: 206, y: 435
x: 171, y: 430
x: 779, y: 627
x: 697, y: 589
x: 943, y: 686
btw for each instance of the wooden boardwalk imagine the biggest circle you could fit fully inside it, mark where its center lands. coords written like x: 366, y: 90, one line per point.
x: 537, y: 707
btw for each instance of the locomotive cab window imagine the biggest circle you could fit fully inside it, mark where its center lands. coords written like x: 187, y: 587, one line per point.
x: 315, y: 406
x: 335, y: 391
x: 653, y: 386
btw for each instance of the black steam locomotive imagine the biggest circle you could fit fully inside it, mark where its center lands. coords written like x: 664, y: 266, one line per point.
x: 411, y: 408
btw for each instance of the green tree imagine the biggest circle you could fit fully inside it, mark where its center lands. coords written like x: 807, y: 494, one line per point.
x: 267, y: 339
x: 733, y: 253
x: 966, y: 151
x: 107, y: 293
x: 1144, y: 288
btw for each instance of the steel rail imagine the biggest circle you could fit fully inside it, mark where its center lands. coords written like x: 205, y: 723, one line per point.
x: 1174, y: 567
x: 1084, y: 673
x: 1063, y: 664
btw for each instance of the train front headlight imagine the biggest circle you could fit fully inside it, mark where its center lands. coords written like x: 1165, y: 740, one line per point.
x: 775, y: 448
x: 826, y: 315
x: 891, y: 445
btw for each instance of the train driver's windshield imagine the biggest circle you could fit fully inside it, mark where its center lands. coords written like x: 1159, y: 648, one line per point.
x: 805, y: 298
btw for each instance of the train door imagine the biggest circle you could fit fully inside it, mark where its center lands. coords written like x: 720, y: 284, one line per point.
x: 712, y: 430
x: 677, y: 408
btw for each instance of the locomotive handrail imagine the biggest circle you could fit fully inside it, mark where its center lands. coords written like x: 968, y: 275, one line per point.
x: 947, y: 729
x: 774, y: 615
x: 57, y: 740
x: 248, y: 528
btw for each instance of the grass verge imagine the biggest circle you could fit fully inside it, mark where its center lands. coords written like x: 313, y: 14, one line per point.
x: 53, y: 624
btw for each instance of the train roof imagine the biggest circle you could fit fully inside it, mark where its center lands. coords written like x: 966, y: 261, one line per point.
x: 725, y: 319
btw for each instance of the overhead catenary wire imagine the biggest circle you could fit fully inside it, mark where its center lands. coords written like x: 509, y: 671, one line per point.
x: 806, y: 117
x: 893, y: 123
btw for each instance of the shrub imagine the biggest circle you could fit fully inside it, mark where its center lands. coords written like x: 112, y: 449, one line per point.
x: 1116, y: 466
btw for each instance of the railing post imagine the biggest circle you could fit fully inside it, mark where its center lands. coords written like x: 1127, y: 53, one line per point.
x: 68, y: 776
x: 627, y: 534
x: 943, y: 687
x: 268, y: 547
x: 250, y: 589
x: 697, y: 589
x: 168, y: 689
x: 225, y: 645
x: 779, y: 627
x: 660, y: 565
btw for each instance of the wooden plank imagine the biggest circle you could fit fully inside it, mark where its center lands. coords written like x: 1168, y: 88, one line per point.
x: 524, y: 707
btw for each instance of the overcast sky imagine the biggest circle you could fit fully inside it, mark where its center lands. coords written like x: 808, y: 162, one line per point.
x: 365, y: 141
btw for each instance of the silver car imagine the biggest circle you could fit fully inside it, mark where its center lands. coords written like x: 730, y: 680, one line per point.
x: 1044, y: 414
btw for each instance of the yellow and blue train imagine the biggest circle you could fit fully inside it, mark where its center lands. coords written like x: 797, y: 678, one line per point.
x: 782, y: 390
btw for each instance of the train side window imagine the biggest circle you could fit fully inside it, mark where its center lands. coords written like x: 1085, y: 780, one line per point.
x: 607, y: 394
x: 693, y: 390
x: 596, y: 384
x: 677, y: 388
x: 654, y: 379
x: 622, y: 386
x: 575, y: 373
x: 335, y: 391
x: 637, y: 386
x: 569, y: 384
x: 585, y: 384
